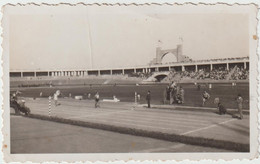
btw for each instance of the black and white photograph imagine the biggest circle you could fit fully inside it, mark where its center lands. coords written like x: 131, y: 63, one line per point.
x: 128, y: 80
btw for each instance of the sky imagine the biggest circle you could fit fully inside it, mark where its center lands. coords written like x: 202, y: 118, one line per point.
x: 102, y: 37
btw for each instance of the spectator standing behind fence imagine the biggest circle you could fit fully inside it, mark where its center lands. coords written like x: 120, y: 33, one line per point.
x: 148, y: 99
x: 239, y: 100
x: 97, y: 100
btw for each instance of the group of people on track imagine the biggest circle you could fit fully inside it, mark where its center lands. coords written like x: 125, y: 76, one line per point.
x: 221, y: 108
x: 174, y: 94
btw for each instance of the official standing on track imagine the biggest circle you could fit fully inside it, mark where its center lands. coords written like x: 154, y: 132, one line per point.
x: 148, y: 99
x: 239, y: 100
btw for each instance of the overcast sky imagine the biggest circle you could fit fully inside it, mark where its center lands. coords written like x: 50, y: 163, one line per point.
x: 85, y: 37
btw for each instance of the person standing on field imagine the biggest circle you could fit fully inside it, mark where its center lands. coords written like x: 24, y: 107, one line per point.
x: 97, y: 100
x: 55, y: 97
x: 148, y: 99
x: 239, y: 100
x: 198, y: 87
x: 167, y: 95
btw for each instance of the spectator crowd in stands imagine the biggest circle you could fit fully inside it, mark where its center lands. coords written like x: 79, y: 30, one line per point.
x: 220, y: 73
x: 240, y: 74
x: 215, y: 74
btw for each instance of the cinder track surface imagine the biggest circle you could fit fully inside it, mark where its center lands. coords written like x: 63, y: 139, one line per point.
x: 38, y: 136
x: 181, y: 122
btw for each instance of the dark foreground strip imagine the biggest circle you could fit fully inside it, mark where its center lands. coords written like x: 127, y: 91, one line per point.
x: 221, y: 144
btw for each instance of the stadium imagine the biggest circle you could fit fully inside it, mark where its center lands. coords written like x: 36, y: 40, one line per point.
x: 156, y: 82
x: 184, y: 71
x: 221, y: 78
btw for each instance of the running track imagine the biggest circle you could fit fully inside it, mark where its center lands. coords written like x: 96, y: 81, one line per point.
x: 191, y: 123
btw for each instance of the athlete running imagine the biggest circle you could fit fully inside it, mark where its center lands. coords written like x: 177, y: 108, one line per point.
x: 205, y: 97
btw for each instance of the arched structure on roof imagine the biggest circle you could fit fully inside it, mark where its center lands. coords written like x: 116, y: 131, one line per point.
x: 160, y: 54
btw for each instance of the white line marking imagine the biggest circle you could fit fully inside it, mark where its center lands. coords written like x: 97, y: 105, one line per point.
x: 144, y: 116
x: 133, y: 114
x: 207, y: 127
x: 173, y: 123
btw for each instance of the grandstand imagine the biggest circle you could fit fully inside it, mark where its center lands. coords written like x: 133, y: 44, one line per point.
x: 183, y: 64
x: 215, y: 69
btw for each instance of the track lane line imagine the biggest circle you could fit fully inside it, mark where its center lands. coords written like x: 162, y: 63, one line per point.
x: 97, y: 116
x: 207, y: 127
x: 121, y: 117
x: 190, y: 117
x: 174, y: 120
x: 124, y: 117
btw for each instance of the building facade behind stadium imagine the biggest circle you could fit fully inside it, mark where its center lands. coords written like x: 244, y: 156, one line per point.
x: 183, y: 64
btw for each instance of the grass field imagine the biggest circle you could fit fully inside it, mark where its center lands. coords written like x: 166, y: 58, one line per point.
x: 125, y: 93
